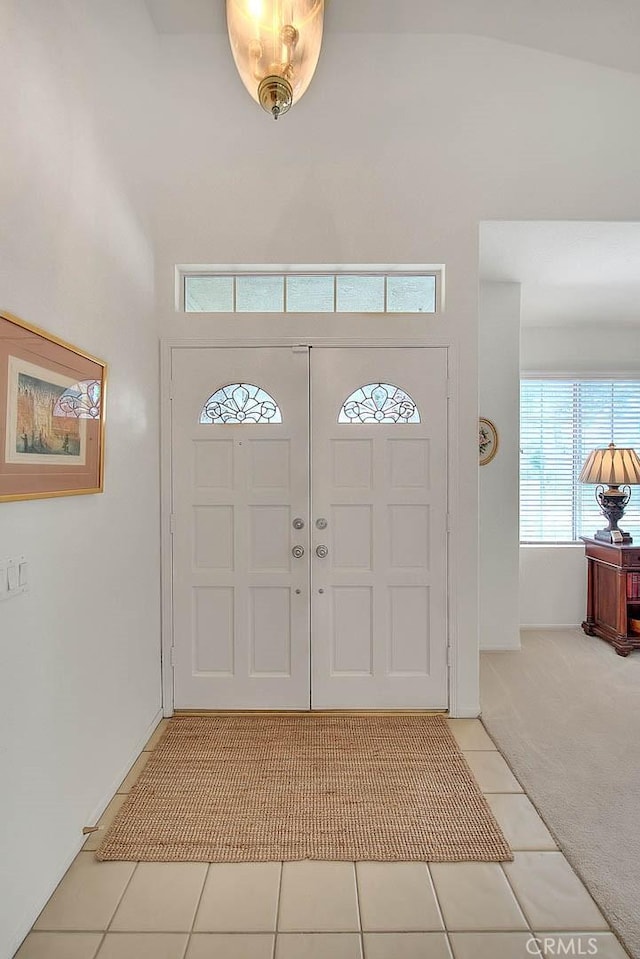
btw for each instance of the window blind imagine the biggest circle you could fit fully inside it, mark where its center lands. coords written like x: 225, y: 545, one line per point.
x: 561, y: 421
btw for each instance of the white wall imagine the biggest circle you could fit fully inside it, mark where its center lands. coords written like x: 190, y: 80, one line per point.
x: 553, y: 586
x: 79, y: 653
x: 336, y: 185
x: 583, y: 348
x: 553, y: 579
x: 393, y: 170
x: 499, y: 391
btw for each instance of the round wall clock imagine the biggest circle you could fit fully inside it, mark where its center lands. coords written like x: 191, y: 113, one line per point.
x: 487, y: 441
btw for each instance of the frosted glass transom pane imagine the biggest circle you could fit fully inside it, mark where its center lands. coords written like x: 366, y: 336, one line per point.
x: 240, y: 403
x: 208, y: 294
x: 260, y: 294
x: 360, y: 294
x: 411, y: 294
x: 379, y: 403
x: 310, y: 294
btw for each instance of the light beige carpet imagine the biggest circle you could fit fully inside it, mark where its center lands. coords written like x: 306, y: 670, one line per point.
x: 565, y: 712
x: 255, y: 788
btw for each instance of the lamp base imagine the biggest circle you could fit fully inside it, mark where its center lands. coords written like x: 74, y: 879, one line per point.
x: 613, y: 536
x: 612, y: 501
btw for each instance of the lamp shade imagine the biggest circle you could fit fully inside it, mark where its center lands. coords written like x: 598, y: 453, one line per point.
x: 614, y: 465
x: 275, y: 45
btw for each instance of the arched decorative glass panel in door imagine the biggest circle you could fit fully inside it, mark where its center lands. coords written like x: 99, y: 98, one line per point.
x: 240, y: 403
x: 379, y: 403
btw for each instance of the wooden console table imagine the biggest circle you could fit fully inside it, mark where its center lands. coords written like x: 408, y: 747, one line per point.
x: 613, y: 593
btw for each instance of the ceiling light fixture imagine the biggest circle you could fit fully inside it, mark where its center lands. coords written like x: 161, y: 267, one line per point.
x: 276, y: 45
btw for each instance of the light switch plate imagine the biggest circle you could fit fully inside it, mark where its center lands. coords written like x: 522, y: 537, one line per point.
x: 14, y: 578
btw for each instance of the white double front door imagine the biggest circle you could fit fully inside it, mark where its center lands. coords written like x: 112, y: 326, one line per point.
x: 309, y: 498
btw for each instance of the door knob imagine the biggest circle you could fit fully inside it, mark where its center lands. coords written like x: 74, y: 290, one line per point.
x: 322, y: 551
x: 298, y: 552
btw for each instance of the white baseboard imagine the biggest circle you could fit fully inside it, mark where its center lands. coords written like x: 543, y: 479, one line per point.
x: 25, y: 924
x: 528, y: 626
x: 470, y: 712
x: 104, y: 802
x: 500, y: 649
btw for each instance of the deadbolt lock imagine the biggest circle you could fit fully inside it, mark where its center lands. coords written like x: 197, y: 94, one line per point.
x: 298, y: 523
x: 321, y: 523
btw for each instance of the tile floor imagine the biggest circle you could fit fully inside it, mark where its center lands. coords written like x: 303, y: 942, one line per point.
x: 332, y: 910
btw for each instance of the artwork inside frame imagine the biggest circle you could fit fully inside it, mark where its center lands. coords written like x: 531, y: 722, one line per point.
x: 487, y: 441
x: 52, y: 415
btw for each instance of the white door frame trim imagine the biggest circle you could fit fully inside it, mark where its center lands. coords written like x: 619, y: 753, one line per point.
x: 168, y: 344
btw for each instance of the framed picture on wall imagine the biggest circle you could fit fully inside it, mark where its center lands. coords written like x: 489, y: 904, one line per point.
x: 52, y: 398
x: 487, y: 441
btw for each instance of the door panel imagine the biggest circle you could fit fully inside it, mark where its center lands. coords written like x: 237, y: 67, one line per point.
x: 241, y: 621
x: 364, y: 607
x: 379, y: 628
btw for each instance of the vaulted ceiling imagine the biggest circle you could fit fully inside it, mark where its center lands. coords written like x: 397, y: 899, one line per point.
x: 570, y: 272
x: 606, y: 32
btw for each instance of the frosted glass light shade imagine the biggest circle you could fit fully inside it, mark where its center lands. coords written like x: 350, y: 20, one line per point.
x: 614, y: 466
x: 275, y: 45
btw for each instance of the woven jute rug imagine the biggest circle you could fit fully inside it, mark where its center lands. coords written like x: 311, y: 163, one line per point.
x: 271, y: 788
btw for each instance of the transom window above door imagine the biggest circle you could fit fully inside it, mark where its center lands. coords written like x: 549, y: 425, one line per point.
x: 311, y: 290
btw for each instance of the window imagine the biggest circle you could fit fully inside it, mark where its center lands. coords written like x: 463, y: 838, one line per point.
x: 301, y: 292
x: 561, y: 421
x: 240, y: 403
x: 379, y: 403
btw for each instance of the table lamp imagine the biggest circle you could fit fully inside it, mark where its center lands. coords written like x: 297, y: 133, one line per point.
x: 619, y: 468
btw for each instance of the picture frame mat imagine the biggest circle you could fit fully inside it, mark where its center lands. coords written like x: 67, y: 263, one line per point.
x: 17, y: 366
